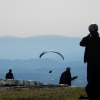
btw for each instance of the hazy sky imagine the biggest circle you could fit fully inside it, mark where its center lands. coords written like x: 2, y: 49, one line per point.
x: 25, y: 18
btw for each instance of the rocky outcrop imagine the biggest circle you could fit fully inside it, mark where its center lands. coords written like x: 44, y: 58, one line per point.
x: 28, y: 83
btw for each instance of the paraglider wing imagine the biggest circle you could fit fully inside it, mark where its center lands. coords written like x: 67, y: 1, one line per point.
x: 51, y: 51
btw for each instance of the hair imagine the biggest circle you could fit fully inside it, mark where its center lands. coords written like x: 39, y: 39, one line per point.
x: 93, y: 28
x: 10, y: 70
x: 68, y: 68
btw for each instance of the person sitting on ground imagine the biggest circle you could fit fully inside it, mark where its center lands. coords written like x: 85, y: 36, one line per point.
x: 9, y: 75
x: 66, y: 78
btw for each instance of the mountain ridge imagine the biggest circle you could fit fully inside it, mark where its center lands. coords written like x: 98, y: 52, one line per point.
x: 38, y: 36
x: 27, y: 48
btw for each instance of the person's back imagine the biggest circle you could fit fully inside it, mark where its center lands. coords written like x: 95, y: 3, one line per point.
x: 65, y: 78
x: 9, y: 75
x: 92, y: 50
x: 92, y: 57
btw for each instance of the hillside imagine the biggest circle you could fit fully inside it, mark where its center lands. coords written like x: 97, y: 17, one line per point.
x: 31, y: 47
x: 68, y: 93
x: 22, y: 55
x: 38, y: 69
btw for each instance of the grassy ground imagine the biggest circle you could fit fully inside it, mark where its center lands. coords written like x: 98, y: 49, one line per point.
x: 61, y: 93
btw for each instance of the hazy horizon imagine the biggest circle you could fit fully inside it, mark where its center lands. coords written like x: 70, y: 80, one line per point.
x: 41, y: 36
x: 26, y: 18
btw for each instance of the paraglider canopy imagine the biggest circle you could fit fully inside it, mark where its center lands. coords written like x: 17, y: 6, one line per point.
x: 51, y: 51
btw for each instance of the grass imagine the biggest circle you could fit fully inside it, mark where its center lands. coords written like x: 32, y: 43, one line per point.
x: 61, y: 93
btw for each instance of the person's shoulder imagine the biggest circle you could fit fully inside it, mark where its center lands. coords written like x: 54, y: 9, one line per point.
x: 10, y: 73
x: 64, y: 72
x: 7, y: 73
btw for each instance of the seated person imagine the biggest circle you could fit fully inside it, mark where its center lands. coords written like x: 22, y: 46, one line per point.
x: 9, y: 75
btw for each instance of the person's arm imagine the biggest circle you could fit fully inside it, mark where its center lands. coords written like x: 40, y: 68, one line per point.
x: 6, y: 76
x: 12, y: 76
x: 60, y: 81
x: 73, y: 78
x: 84, y: 40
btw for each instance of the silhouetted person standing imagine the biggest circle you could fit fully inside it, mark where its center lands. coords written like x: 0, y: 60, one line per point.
x: 92, y: 57
x: 9, y: 75
x: 66, y: 77
x: 92, y: 49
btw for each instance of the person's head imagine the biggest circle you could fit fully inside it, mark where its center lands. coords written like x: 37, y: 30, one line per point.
x: 93, y: 28
x: 10, y: 70
x: 68, y: 68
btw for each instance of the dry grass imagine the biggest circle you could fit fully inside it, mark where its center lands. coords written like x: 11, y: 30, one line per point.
x: 61, y: 93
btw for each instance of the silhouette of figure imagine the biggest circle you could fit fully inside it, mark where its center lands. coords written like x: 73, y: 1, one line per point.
x: 92, y: 57
x: 66, y: 78
x: 9, y: 75
x: 93, y: 87
x: 92, y: 49
x: 50, y: 71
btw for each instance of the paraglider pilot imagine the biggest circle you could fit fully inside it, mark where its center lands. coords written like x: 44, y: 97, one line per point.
x: 50, y: 71
x: 66, y: 78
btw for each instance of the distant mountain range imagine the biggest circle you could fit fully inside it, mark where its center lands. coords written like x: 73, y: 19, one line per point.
x: 22, y: 56
x: 31, y: 47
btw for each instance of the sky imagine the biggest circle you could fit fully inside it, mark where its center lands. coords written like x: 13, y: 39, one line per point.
x: 26, y: 18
